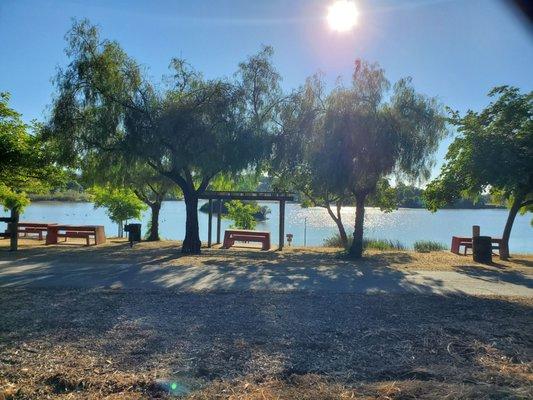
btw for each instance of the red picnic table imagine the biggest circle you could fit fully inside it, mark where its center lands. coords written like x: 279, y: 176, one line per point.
x: 76, y: 231
x: 458, y: 241
x: 33, y: 228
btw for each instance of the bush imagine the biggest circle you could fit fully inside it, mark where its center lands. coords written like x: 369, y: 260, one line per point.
x: 335, y: 241
x: 121, y: 204
x: 242, y: 214
x: 426, y: 246
x: 382, y: 244
x: 375, y: 244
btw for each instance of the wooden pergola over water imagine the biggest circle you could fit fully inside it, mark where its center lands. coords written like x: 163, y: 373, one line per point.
x: 264, y: 196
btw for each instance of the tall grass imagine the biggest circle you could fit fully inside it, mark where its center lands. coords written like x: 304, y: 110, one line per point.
x: 426, y: 246
x: 383, y: 244
x: 375, y: 244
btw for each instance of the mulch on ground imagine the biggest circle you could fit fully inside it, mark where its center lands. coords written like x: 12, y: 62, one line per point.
x: 80, y: 344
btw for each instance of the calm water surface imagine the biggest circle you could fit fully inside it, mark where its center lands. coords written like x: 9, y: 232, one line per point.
x: 405, y: 225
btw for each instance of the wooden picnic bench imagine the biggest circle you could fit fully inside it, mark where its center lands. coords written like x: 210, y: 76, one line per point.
x: 466, y: 242
x: 239, y: 235
x: 76, y: 231
x: 30, y: 228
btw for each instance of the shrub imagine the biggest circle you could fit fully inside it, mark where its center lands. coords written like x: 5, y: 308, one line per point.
x: 121, y: 204
x: 376, y: 244
x: 242, y: 214
x: 335, y: 241
x: 426, y: 246
x: 382, y: 244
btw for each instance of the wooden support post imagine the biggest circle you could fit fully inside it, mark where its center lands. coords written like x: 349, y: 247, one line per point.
x: 475, y: 230
x: 281, y: 224
x: 219, y: 220
x: 14, y: 231
x: 210, y: 223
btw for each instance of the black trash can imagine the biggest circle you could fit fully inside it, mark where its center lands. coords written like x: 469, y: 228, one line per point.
x: 134, y: 232
x: 482, y: 249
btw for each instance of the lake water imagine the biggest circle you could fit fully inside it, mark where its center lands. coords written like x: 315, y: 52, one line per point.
x: 405, y: 225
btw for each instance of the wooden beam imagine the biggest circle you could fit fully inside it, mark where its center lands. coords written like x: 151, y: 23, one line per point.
x: 210, y: 223
x: 281, y: 224
x: 219, y: 220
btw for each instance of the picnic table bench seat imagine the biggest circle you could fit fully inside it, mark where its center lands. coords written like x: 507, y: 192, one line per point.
x: 30, y: 228
x: 240, y: 235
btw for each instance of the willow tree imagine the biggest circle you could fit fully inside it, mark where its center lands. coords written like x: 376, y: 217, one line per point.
x: 189, y: 131
x: 358, y: 136
x: 492, y: 153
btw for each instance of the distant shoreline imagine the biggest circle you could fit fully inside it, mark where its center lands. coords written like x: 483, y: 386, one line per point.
x: 84, y: 200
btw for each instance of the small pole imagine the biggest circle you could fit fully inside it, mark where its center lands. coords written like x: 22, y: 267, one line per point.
x: 219, y: 216
x: 210, y: 225
x: 305, y: 232
x: 281, y: 224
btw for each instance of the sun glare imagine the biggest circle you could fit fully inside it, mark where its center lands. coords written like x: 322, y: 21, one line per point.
x: 342, y: 15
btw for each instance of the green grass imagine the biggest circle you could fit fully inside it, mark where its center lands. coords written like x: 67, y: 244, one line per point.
x: 375, y: 244
x: 383, y: 244
x: 335, y: 241
x: 426, y: 246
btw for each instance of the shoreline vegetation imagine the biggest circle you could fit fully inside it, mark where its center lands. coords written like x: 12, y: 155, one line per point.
x: 84, y: 197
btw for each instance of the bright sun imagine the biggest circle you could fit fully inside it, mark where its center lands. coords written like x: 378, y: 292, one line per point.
x: 342, y: 15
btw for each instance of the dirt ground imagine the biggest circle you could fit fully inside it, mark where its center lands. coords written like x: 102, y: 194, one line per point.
x: 139, y: 344
x: 167, y: 253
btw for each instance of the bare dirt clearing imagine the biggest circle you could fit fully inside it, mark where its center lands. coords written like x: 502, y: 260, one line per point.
x: 93, y: 343
x: 97, y: 343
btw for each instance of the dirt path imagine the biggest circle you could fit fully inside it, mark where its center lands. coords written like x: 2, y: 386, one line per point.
x: 152, y: 268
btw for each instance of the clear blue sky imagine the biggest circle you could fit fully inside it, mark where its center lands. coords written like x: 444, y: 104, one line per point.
x: 454, y: 49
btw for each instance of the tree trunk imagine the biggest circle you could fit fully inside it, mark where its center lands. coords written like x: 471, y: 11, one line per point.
x: 120, y: 232
x: 154, y: 223
x: 356, y: 251
x: 338, y: 220
x: 13, y: 231
x: 191, y: 243
x: 504, y: 247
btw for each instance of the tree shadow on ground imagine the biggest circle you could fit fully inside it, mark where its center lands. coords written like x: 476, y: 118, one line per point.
x: 481, y: 343
x: 216, y: 269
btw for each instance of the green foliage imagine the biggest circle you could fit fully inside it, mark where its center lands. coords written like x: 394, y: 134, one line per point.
x: 336, y: 241
x: 242, y: 214
x: 492, y: 153
x: 12, y: 200
x: 343, y: 147
x: 121, y: 204
x: 426, y: 246
x: 25, y: 162
x: 383, y: 244
x: 374, y: 244
x: 189, y: 131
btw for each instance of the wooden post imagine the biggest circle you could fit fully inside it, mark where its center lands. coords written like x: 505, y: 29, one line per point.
x: 475, y: 230
x: 14, y: 230
x: 281, y: 224
x: 219, y: 218
x: 209, y: 226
